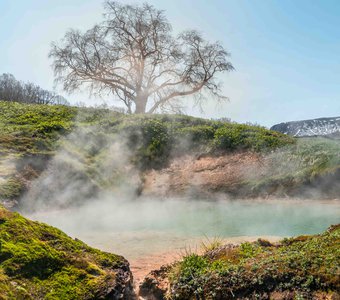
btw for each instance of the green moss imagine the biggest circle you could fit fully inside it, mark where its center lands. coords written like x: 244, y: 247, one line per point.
x: 305, y: 264
x: 43, y: 262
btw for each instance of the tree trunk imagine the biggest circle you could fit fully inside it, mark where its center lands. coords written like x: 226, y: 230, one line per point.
x: 141, y: 105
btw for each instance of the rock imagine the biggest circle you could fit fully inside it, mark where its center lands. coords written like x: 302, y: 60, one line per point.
x: 314, y: 127
x: 155, y: 285
x: 51, y: 265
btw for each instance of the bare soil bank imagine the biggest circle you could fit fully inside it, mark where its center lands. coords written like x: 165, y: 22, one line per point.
x: 189, y: 174
x: 243, y: 174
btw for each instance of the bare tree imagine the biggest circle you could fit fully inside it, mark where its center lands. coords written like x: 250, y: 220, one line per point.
x: 60, y: 100
x: 14, y: 90
x: 133, y: 55
x: 10, y: 88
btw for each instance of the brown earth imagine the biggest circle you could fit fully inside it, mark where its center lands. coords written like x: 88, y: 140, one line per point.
x: 204, y: 174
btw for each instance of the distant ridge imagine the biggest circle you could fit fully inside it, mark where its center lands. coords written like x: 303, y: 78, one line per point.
x: 329, y: 127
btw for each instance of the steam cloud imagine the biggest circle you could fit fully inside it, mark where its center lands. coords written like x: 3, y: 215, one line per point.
x: 90, y: 190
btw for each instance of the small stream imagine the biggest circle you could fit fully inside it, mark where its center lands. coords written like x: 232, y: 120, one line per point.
x: 140, y: 227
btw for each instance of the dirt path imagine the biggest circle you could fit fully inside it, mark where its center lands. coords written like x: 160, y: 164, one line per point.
x: 140, y: 267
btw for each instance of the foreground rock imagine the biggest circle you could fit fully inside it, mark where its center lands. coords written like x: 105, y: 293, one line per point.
x: 305, y: 267
x: 38, y: 261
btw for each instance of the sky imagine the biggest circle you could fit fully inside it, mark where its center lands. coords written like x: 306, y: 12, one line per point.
x: 286, y: 53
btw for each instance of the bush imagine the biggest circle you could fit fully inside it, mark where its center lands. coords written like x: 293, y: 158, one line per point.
x: 156, y: 144
x: 240, y: 136
x: 196, y: 136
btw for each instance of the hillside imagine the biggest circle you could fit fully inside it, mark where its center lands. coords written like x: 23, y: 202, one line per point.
x: 31, y: 135
x: 308, y: 169
x: 56, y: 157
x: 314, y: 127
x: 38, y: 261
x: 304, y: 267
x: 154, y: 155
x: 157, y: 154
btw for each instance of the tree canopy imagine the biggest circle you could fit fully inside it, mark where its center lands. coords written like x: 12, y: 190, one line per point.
x: 134, y: 56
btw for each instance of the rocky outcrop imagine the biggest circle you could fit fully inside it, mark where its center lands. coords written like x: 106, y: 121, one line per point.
x: 38, y: 261
x: 314, y: 127
x: 155, y: 285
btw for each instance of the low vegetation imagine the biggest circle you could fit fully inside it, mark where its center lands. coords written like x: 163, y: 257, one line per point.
x: 31, y: 128
x: 309, y: 168
x: 38, y: 261
x: 304, y: 267
x: 156, y: 138
x: 30, y: 134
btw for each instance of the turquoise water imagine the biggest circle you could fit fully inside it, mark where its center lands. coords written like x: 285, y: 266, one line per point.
x: 137, y: 227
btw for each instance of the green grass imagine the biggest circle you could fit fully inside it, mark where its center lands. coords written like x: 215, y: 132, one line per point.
x: 30, y: 132
x: 308, y: 162
x: 38, y: 261
x: 32, y: 127
x: 211, y: 244
x: 305, y: 264
x: 11, y: 188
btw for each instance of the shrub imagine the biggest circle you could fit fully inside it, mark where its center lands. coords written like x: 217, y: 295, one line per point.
x: 195, y: 137
x: 240, y: 136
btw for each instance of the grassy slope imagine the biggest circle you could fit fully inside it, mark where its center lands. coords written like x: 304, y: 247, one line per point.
x: 310, y: 168
x: 30, y: 134
x: 299, y: 268
x: 36, y: 128
x: 38, y: 261
x: 27, y: 131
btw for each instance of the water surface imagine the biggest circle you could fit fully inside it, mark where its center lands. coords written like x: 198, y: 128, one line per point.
x: 139, y: 227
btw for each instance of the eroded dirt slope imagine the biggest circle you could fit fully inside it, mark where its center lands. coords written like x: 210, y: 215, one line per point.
x: 190, y: 174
